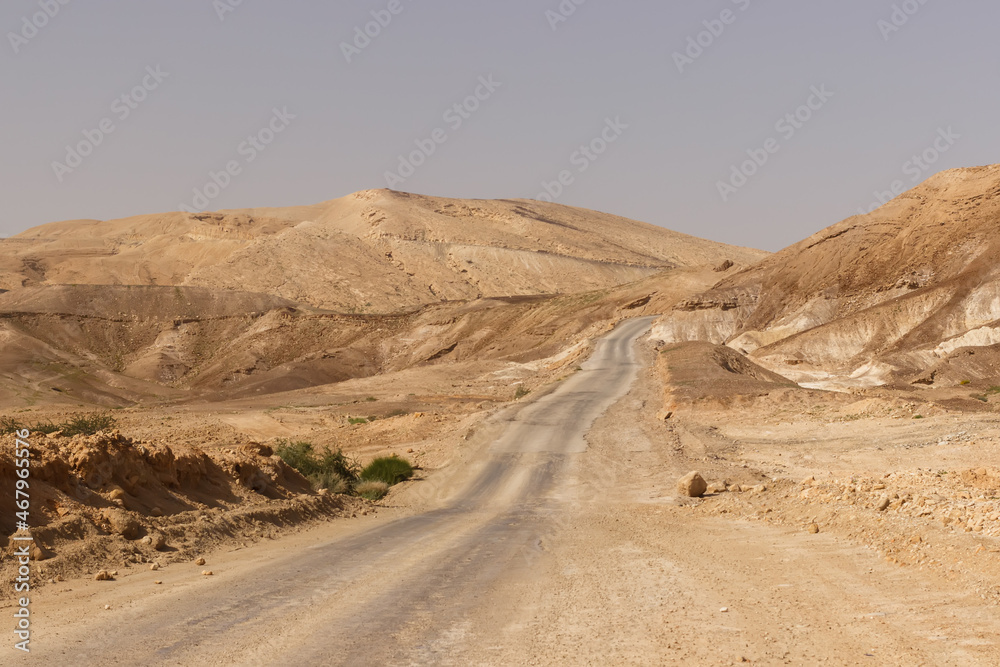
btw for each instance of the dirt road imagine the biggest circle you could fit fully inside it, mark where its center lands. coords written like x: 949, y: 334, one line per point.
x: 557, y: 542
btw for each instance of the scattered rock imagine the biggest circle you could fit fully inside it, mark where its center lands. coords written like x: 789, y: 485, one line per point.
x: 157, y: 582
x: 813, y: 528
x: 258, y: 449
x: 107, y: 606
x: 207, y: 573
x: 155, y: 540
x: 692, y: 485
x: 123, y: 523
x: 883, y: 504
x: 200, y: 561
x: 103, y: 575
x: 725, y: 266
x: 39, y: 553
x: 724, y: 610
x: 156, y: 511
x: 154, y: 567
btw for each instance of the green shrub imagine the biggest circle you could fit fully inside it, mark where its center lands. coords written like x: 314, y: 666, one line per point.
x: 357, y: 420
x: 389, y: 469
x: 521, y: 392
x: 371, y: 489
x: 44, y: 427
x: 9, y: 425
x: 85, y: 424
x: 320, y: 469
x: 78, y: 424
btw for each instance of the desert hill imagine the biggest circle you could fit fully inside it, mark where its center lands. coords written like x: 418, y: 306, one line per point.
x: 375, y: 251
x: 262, y: 301
x: 900, y: 295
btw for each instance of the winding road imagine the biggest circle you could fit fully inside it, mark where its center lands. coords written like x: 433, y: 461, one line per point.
x: 397, y: 591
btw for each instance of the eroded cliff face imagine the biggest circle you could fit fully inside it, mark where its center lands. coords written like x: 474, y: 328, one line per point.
x: 886, y: 297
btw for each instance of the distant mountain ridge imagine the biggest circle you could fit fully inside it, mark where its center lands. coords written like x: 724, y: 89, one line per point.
x: 373, y: 251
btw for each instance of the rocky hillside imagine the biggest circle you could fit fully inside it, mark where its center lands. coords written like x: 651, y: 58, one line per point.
x: 909, y: 293
x: 376, y: 251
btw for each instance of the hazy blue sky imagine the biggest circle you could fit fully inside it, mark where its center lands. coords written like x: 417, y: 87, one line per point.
x: 895, y: 92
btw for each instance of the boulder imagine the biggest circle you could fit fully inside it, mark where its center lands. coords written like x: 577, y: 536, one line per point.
x: 123, y: 523
x: 155, y: 540
x: 692, y: 485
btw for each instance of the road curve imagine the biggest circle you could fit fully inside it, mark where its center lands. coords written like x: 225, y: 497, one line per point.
x: 390, y: 594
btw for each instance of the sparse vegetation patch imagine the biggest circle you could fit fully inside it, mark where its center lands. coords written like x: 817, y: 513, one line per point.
x: 77, y: 424
x: 389, y: 469
x: 332, y: 470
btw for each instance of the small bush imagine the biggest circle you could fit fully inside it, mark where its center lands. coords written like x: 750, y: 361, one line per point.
x: 320, y: 469
x: 357, y: 420
x: 965, y: 382
x: 9, y: 425
x: 521, y: 392
x: 918, y: 416
x: 371, y: 489
x: 45, y: 427
x: 330, y: 481
x: 85, y: 424
x: 389, y: 469
x: 75, y: 425
x: 371, y: 399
